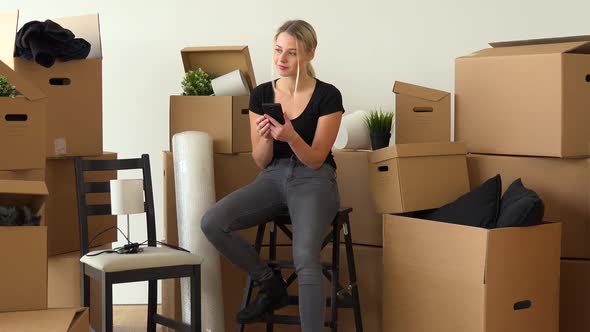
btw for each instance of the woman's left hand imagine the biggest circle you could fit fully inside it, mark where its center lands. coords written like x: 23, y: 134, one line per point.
x: 285, y: 133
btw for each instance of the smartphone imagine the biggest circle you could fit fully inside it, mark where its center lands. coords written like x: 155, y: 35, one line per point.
x: 275, y: 110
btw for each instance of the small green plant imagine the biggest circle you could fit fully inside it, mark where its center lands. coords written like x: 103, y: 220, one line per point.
x: 6, y: 89
x: 197, y: 83
x: 379, y: 122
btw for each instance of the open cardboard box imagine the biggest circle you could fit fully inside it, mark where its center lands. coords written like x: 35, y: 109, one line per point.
x: 422, y: 115
x: 527, y: 97
x: 23, y: 250
x: 74, y: 88
x: 225, y: 118
x: 61, y: 208
x: 22, y: 118
x: 447, y: 278
x: 420, y: 176
x: 54, y: 320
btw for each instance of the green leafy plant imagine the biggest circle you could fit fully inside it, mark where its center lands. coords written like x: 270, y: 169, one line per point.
x: 6, y: 89
x: 379, y: 122
x: 197, y: 83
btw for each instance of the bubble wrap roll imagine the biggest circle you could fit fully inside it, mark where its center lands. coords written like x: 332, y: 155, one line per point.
x: 195, y: 193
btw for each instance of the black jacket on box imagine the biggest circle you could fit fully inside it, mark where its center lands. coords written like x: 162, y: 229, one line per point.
x: 46, y: 41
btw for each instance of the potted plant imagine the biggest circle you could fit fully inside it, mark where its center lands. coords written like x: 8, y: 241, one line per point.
x: 6, y: 89
x: 379, y: 124
x: 197, y: 83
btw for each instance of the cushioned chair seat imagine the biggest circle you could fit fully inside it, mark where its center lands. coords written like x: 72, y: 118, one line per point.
x: 150, y: 257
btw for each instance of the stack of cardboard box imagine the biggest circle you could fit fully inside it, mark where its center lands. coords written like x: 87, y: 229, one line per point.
x: 449, y: 277
x: 57, y: 118
x: 523, y: 110
x: 369, y: 188
x: 423, y: 170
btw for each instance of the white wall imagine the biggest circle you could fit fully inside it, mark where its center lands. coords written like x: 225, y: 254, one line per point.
x: 363, y: 47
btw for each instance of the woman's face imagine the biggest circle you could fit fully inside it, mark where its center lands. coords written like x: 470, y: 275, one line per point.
x: 285, y: 55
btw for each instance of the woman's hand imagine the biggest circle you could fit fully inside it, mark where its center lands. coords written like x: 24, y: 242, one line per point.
x: 263, y: 126
x: 285, y: 132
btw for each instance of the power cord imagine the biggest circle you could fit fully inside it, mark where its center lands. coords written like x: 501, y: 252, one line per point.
x: 129, y: 248
x: 104, y: 231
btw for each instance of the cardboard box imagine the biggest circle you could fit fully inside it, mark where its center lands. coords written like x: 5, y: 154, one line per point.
x: 63, y: 290
x: 422, y: 115
x: 61, y: 209
x: 574, y: 296
x: 231, y: 173
x: 23, y: 250
x: 54, y: 320
x: 525, y: 98
x: 446, y: 277
x: 23, y: 119
x: 74, y: 90
x: 225, y: 118
x: 412, y: 177
x: 24, y: 174
x: 562, y: 184
x: 355, y: 192
x: 23, y: 282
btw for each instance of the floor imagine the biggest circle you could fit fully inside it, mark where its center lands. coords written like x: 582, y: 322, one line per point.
x: 130, y: 318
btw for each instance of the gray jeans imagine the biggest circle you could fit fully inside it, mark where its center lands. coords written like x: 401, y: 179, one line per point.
x: 312, y: 199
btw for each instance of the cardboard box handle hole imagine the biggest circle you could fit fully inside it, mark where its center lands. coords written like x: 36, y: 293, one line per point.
x: 423, y: 109
x: 588, y: 78
x: 16, y: 117
x: 383, y: 168
x: 522, y: 305
x: 60, y: 81
x: 245, y: 111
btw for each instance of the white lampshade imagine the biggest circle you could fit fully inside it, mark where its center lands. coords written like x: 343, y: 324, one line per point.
x: 127, y: 196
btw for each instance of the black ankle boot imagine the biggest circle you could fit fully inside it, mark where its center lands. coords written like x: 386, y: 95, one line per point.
x: 271, y: 295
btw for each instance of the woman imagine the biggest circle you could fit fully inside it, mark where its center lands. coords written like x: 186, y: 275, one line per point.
x: 298, y: 175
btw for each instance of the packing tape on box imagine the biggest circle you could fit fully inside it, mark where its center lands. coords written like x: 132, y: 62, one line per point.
x: 232, y: 84
x: 195, y: 194
x: 353, y: 133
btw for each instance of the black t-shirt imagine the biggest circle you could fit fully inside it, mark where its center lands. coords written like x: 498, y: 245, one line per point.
x: 325, y: 99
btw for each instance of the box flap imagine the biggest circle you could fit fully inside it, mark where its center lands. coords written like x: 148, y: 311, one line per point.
x: 22, y: 85
x: 417, y: 150
x: 569, y: 47
x: 8, y: 26
x: 28, y: 193
x: 219, y: 60
x: 458, y: 250
x: 558, y: 40
x: 436, y: 268
x: 41, y: 320
x: 87, y: 27
x: 418, y: 91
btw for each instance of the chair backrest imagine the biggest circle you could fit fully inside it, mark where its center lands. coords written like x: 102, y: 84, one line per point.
x: 83, y: 188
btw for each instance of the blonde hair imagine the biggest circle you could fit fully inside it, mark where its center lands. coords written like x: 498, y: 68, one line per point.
x: 303, y: 33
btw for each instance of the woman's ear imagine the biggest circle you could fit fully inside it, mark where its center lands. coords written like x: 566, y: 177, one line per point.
x: 311, y: 54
